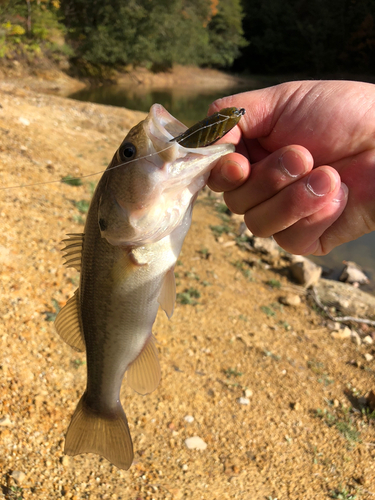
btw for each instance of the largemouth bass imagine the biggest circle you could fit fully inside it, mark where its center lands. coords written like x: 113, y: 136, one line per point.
x: 136, y: 224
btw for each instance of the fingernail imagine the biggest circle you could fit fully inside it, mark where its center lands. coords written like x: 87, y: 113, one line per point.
x: 232, y: 171
x: 292, y: 163
x: 342, y: 194
x: 320, y: 182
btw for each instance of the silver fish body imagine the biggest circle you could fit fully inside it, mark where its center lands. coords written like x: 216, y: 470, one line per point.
x: 137, y: 221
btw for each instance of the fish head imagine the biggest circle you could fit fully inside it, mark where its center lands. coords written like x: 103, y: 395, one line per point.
x: 152, y: 181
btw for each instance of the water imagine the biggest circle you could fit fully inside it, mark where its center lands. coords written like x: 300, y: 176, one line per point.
x: 190, y: 106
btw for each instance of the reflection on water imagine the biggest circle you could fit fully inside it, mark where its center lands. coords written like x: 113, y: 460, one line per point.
x: 190, y: 106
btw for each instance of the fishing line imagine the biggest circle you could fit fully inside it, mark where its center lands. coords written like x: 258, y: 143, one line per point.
x: 61, y: 181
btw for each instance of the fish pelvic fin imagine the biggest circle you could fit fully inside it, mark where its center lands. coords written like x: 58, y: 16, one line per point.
x: 69, y: 325
x: 107, y: 436
x: 73, y: 250
x: 144, y: 374
x: 167, y: 296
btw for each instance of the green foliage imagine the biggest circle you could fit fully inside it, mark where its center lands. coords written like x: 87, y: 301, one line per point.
x: 154, y: 34
x: 29, y: 28
x: 72, y: 181
x: 188, y: 296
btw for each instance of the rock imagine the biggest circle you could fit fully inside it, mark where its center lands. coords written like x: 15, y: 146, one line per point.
x: 356, y: 339
x: 243, y: 401
x: 291, y: 299
x: 18, y: 476
x: 266, y: 245
x: 195, y: 443
x: 333, y: 325
x: 296, y: 406
x: 368, y: 357
x: 189, y: 419
x: 248, y: 393
x: 348, y: 300
x: 352, y: 273
x: 368, y: 340
x: 305, y: 272
x: 342, y: 334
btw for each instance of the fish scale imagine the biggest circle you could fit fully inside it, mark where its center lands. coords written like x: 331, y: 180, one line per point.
x: 135, y: 227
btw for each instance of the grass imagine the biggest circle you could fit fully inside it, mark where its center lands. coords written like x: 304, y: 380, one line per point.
x: 219, y: 230
x: 268, y: 311
x: 342, y: 494
x: 188, y: 297
x: 344, y: 425
x: 274, y: 283
x: 72, y: 181
x: 232, y: 372
x: 243, y: 267
x: 51, y: 315
x: 82, y: 205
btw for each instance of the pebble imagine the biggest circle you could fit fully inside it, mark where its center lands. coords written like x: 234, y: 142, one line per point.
x: 195, y: 443
x: 345, y: 333
x: 24, y: 121
x: 290, y: 300
x: 248, y: 393
x: 368, y: 356
x: 368, y: 340
x: 18, y: 476
x: 189, y: 419
x: 5, y: 421
x: 243, y: 401
x: 356, y: 339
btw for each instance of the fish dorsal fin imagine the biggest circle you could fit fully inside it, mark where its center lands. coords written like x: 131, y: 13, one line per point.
x: 73, y: 250
x: 167, y: 296
x: 144, y: 373
x: 68, y: 323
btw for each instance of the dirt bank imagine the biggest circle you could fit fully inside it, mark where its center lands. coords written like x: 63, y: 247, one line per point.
x: 279, y: 402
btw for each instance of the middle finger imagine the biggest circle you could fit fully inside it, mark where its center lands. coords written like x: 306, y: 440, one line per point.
x: 269, y: 176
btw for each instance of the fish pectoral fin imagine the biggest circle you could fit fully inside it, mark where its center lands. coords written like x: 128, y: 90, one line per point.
x: 73, y: 250
x: 68, y: 323
x: 107, y: 436
x: 144, y: 373
x: 167, y: 296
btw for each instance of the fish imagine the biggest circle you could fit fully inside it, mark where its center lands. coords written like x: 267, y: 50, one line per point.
x: 138, y: 218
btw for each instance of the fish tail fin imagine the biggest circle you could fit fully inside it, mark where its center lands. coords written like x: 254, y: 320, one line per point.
x: 109, y: 437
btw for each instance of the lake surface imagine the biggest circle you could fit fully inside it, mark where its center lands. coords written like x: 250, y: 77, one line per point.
x: 190, y: 106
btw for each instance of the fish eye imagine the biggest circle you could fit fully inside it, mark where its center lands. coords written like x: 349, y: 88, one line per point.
x: 127, y: 151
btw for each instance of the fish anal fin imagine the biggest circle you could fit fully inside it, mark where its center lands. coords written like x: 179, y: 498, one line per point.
x: 73, y: 250
x: 167, y: 296
x: 68, y: 323
x: 144, y: 373
x: 107, y: 436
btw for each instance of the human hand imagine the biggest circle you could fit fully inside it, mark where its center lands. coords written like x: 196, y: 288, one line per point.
x: 304, y: 166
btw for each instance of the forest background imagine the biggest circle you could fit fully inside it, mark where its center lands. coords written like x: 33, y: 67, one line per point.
x: 313, y: 38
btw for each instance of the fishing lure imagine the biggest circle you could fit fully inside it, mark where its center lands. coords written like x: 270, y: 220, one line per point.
x: 211, y: 129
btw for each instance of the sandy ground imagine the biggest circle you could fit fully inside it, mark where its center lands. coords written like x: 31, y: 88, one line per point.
x: 304, y: 431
